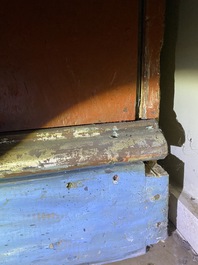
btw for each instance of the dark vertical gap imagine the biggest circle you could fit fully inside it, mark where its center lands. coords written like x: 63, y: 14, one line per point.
x: 140, y: 55
x: 172, y: 129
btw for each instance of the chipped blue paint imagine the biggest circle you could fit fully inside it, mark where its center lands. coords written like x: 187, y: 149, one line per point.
x: 87, y: 216
x: 157, y: 208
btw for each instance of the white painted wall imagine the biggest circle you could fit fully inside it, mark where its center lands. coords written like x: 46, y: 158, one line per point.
x: 179, y: 114
x: 186, y: 92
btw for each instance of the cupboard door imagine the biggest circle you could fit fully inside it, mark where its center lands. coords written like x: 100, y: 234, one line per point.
x: 67, y: 62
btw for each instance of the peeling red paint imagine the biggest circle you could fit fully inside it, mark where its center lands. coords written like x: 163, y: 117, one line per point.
x: 152, y: 43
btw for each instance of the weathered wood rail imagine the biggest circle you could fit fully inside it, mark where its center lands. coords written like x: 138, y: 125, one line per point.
x: 66, y: 148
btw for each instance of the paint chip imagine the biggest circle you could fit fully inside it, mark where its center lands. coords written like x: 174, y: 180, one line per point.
x: 156, y: 197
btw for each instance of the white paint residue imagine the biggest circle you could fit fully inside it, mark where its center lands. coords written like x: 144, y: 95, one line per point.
x: 49, y: 136
x: 109, y: 154
x: 149, y: 127
x: 142, y: 143
x: 82, y: 156
x: 115, y: 128
x: 14, y: 251
x: 57, y: 161
x: 85, y: 132
x: 18, y: 165
x: 115, y: 134
x: 6, y: 140
x: 129, y: 238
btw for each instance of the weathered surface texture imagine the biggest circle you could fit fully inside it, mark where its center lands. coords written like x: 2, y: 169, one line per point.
x: 66, y: 148
x: 152, y: 42
x: 88, y: 216
x: 157, y: 204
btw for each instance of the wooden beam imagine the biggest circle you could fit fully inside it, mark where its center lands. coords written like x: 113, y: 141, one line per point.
x: 29, y: 152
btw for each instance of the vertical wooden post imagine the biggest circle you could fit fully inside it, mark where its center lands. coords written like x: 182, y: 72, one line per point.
x: 153, y: 25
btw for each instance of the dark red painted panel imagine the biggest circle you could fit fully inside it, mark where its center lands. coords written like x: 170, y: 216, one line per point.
x: 67, y: 62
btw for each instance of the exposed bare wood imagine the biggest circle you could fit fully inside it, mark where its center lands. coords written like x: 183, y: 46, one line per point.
x: 73, y: 147
x: 152, y: 43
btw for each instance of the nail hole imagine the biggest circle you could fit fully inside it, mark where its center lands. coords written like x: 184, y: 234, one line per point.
x: 158, y: 224
x: 115, y: 179
x: 69, y: 185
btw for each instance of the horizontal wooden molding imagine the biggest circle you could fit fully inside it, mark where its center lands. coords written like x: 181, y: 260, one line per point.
x: 39, y: 151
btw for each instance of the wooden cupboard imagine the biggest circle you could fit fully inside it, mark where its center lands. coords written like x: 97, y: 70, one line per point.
x: 79, y: 106
x: 79, y: 62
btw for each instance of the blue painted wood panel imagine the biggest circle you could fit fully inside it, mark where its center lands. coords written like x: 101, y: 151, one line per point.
x: 87, y: 216
x: 157, y: 207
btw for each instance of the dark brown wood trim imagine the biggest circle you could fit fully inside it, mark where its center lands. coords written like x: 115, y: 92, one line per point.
x: 40, y: 151
x: 153, y: 29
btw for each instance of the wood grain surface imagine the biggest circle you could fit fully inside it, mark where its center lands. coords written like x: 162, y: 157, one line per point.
x: 43, y: 150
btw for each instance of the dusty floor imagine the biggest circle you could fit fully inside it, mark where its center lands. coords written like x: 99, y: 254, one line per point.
x: 174, y: 251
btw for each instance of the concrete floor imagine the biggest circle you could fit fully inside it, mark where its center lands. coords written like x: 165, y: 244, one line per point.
x: 174, y: 251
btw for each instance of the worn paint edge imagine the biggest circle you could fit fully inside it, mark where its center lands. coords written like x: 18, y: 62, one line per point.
x: 152, y: 39
x: 80, y: 146
x: 157, y: 186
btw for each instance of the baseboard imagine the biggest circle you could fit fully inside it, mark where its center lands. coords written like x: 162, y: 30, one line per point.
x: 94, y: 215
x: 183, y: 212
